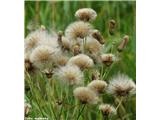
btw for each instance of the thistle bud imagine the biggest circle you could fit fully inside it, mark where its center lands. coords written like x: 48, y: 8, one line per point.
x: 108, y: 59
x: 76, y: 50
x: 112, y: 25
x: 123, y: 43
x: 97, y: 35
x: 48, y: 72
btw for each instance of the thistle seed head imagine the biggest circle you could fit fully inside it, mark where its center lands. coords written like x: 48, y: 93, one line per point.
x: 85, y: 95
x: 86, y: 14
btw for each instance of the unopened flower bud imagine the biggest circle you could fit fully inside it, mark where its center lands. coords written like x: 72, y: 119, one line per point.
x: 76, y: 50
x: 112, y: 25
x: 123, y: 43
x: 108, y: 59
x: 97, y: 35
x: 48, y: 72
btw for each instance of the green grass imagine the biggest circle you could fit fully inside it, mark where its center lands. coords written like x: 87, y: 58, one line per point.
x: 43, y: 93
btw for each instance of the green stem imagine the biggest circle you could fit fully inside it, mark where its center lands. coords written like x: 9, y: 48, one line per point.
x: 105, y: 117
x: 84, y: 44
x: 102, y: 69
x: 33, y: 93
x: 80, y: 112
x: 120, y: 102
x: 60, y: 112
x: 108, y: 71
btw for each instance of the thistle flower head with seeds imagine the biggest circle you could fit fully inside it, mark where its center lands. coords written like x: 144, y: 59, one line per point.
x: 86, y: 14
x: 48, y: 72
x: 61, y: 59
x: 43, y: 56
x: 33, y: 39
x: 92, y: 45
x: 78, y: 29
x: 85, y: 95
x: 70, y: 74
x: 83, y: 61
x: 121, y: 85
x: 107, y: 109
x: 98, y: 86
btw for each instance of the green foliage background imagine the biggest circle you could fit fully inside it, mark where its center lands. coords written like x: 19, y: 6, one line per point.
x: 57, y: 15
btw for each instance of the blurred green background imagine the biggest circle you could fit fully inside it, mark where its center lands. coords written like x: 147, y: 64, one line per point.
x: 57, y: 15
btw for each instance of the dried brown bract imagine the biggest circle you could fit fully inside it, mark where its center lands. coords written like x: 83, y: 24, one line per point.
x: 112, y: 25
x: 97, y: 35
x: 108, y: 59
x: 123, y: 43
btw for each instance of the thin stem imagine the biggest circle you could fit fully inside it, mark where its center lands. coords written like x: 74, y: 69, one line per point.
x: 105, y: 117
x: 60, y: 112
x: 107, y: 72
x: 84, y: 44
x: 80, y: 112
x: 33, y: 93
x: 120, y: 102
x: 102, y: 68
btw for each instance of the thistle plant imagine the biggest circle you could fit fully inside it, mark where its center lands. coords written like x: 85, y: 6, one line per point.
x: 72, y: 67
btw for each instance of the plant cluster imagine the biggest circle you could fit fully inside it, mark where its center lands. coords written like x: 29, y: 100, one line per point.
x: 70, y: 71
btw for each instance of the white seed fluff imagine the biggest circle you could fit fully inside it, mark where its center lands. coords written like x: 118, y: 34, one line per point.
x: 83, y: 61
x: 107, y: 109
x: 85, y: 95
x: 70, y: 74
x: 78, y: 29
x: 121, y: 85
x: 86, y: 14
x: 43, y: 56
x: 92, y: 45
x: 98, y: 86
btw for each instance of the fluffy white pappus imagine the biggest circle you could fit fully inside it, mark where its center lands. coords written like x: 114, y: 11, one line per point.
x: 43, y: 56
x: 39, y: 37
x: 107, y: 109
x: 61, y: 59
x: 85, y: 95
x: 86, y: 14
x: 78, y: 29
x: 66, y: 43
x: 92, y: 45
x: 98, y: 86
x: 70, y: 74
x: 49, y: 40
x: 121, y: 85
x: 33, y: 39
x: 82, y: 61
